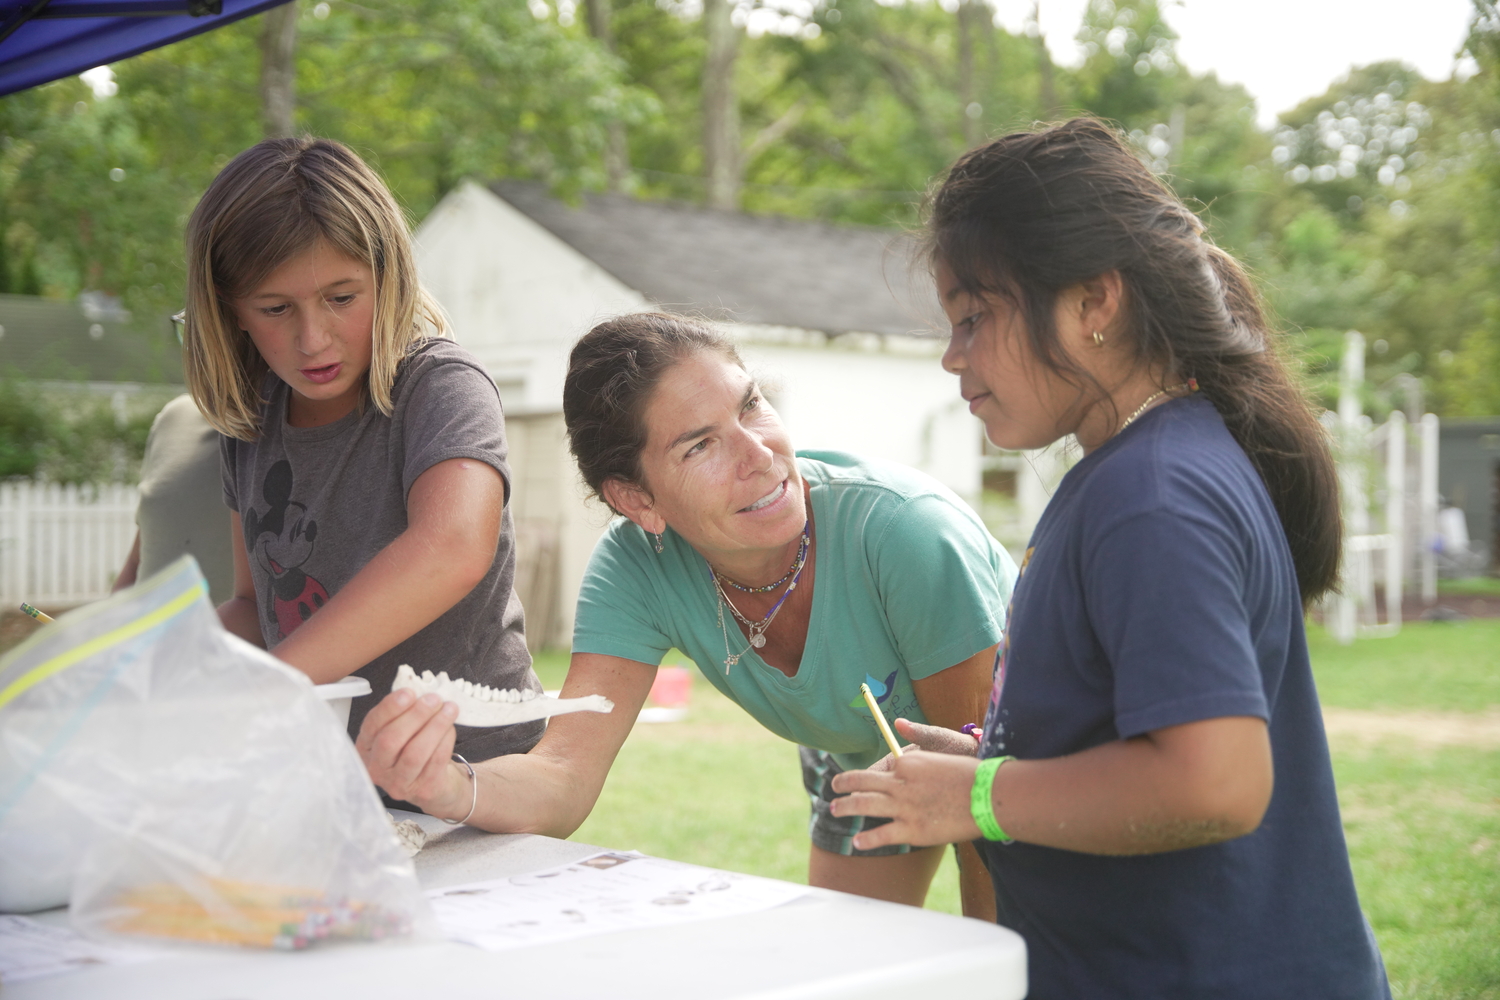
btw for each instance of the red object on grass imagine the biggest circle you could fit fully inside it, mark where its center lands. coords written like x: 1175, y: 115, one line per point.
x: 672, y: 687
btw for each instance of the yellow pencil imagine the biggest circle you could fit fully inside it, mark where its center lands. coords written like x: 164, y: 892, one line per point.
x: 885, y: 730
x: 38, y: 615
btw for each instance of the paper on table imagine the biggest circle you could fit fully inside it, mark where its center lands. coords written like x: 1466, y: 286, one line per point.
x: 612, y: 891
x: 31, y: 950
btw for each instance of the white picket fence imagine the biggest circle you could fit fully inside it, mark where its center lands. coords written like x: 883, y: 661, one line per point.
x: 62, y: 545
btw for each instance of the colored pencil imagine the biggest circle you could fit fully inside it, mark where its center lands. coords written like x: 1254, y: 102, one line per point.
x: 885, y: 730
x: 263, y: 916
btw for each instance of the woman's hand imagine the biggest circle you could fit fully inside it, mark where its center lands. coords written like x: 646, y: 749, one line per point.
x: 406, y: 743
x: 926, y: 795
x: 240, y: 614
x: 933, y: 739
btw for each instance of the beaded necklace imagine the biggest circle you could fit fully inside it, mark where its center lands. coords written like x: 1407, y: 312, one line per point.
x: 796, y: 568
x: 757, y: 629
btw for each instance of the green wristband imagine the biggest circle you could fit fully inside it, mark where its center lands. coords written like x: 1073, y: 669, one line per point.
x: 981, y: 802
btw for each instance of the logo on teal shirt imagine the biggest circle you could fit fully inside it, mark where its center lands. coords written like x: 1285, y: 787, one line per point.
x: 879, y: 690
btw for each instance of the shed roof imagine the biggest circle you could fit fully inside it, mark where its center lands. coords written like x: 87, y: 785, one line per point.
x: 44, y: 339
x: 1468, y: 426
x: 740, y: 267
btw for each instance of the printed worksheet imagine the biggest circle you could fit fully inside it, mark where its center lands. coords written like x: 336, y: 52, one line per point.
x: 30, y: 950
x: 611, y: 891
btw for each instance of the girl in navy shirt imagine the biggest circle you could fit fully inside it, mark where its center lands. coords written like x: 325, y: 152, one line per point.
x: 1165, y: 822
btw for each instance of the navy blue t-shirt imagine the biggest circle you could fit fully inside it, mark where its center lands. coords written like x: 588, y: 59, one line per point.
x: 1159, y: 590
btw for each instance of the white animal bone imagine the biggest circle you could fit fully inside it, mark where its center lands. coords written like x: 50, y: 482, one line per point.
x: 411, y: 835
x: 479, y: 705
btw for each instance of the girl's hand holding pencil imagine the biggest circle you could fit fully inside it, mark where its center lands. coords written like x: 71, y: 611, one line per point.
x: 934, y: 739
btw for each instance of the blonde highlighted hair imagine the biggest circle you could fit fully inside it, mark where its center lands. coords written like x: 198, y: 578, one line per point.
x: 272, y: 202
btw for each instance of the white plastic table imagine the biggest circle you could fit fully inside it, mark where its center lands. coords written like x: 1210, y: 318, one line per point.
x: 823, y: 946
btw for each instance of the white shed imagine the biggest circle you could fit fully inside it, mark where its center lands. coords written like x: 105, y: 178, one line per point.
x: 829, y: 317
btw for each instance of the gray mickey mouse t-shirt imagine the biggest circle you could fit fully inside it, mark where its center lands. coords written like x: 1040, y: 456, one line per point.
x: 317, y: 503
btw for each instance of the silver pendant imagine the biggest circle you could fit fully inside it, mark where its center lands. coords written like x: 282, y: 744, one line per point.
x: 757, y: 640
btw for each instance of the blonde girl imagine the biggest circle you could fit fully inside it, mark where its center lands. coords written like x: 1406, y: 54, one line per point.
x: 364, y: 454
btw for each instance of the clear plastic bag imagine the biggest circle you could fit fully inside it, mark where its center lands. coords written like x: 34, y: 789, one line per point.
x: 171, y: 781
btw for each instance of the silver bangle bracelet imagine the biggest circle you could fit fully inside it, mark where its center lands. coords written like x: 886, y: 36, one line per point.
x: 474, y: 783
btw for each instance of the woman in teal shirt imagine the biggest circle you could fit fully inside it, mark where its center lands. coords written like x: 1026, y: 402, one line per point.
x: 789, y: 578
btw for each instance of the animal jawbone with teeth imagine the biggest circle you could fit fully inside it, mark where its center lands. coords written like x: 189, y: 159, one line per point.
x: 479, y: 705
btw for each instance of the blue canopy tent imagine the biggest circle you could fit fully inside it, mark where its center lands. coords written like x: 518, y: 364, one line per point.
x: 43, y: 40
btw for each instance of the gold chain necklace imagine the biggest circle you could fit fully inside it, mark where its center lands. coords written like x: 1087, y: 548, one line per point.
x: 1191, y: 385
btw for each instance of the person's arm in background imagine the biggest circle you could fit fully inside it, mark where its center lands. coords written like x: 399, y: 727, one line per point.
x: 950, y: 698
x: 239, y: 614
x: 131, y: 567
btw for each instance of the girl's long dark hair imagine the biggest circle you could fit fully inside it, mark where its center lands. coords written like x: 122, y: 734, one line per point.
x: 1034, y: 213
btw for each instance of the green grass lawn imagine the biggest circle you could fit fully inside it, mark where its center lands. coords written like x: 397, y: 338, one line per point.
x: 1479, y: 586
x: 1450, y: 666
x: 1423, y: 824
x: 1424, y: 839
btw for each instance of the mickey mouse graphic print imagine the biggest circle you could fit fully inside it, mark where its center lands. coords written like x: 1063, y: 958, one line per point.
x: 280, y: 538
x: 318, y: 503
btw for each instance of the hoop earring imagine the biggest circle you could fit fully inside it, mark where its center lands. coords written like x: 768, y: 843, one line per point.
x: 1098, y: 339
x: 658, y: 545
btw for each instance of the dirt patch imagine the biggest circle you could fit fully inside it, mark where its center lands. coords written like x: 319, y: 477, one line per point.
x: 1430, y: 729
x: 1467, y: 605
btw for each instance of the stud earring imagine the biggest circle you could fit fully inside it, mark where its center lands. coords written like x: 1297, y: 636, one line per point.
x: 658, y: 544
x: 1098, y: 339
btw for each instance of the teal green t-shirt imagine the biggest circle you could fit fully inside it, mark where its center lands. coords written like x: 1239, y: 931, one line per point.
x: 909, y: 583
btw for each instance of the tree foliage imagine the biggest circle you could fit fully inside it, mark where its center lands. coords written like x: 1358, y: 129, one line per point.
x: 94, y: 191
x: 85, y: 442
x: 1372, y: 206
x: 83, y: 204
